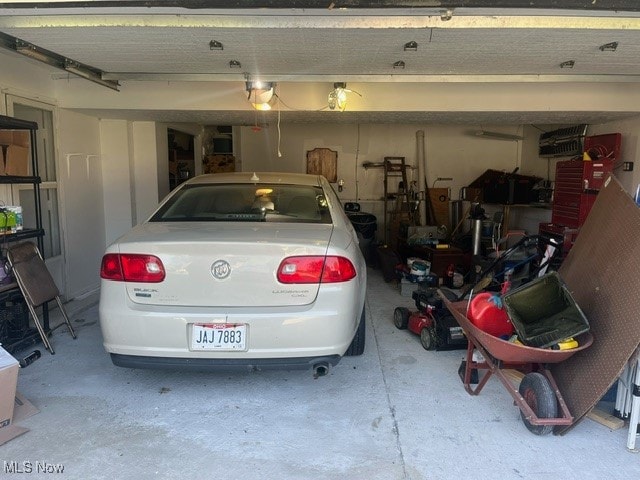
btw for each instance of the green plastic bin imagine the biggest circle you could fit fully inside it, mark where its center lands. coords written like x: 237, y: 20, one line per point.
x: 543, y: 312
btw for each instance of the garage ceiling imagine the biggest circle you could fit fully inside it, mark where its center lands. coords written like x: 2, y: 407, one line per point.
x: 312, y: 41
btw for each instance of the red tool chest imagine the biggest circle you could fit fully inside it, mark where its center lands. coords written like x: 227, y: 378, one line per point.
x: 576, y: 188
x: 577, y: 184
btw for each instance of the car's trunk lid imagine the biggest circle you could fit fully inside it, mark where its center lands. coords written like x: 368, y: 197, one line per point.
x: 224, y: 264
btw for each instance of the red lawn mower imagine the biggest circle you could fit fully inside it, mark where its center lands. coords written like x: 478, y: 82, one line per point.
x: 438, y: 329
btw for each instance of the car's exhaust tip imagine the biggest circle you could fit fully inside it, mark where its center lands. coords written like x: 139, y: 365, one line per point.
x: 320, y: 369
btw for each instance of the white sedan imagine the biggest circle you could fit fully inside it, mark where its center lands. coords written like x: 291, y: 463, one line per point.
x: 238, y: 269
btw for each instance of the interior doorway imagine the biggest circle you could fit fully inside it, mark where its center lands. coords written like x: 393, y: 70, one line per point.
x: 181, y: 157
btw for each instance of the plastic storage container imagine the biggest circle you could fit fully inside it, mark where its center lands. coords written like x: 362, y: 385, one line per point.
x: 365, y: 225
x: 543, y: 312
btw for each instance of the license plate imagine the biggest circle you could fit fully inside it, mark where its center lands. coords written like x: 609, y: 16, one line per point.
x: 218, y: 336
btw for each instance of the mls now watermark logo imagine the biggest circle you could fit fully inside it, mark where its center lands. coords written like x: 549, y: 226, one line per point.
x: 32, y: 467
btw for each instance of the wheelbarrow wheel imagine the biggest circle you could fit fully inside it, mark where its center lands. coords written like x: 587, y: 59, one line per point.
x: 428, y: 338
x: 401, y: 317
x: 538, y: 394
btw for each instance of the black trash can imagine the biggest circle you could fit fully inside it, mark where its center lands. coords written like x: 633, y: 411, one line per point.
x: 365, y: 225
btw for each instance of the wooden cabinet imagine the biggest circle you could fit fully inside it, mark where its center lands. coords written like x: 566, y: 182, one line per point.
x: 323, y: 161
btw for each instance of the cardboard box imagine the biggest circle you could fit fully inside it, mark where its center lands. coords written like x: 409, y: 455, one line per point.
x: 17, y: 161
x: 13, y: 406
x: 14, y: 152
x: 8, y: 383
x: 21, y: 138
x: 22, y: 409
x: 6, y: 137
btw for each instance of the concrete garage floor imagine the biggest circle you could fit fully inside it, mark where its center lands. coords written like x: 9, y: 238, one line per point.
x: 397, y: 412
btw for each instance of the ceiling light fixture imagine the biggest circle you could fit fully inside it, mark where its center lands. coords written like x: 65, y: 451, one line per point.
x: 568, y: 64
x: 609, y: 47
x: 399, y: 65
x: 338, y: 96
x: 260, y: 94
x: 215, y: 45
x: 234, y: 64
x: 411, y: 46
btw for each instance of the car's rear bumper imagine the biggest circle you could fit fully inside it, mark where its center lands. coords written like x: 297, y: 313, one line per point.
x: 222, y: 364
x: 322, y: 329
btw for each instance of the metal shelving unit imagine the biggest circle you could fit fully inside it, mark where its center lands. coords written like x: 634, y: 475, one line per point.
x: 12, y: 307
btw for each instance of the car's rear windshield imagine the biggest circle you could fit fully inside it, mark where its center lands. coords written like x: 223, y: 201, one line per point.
x: 245, y: 202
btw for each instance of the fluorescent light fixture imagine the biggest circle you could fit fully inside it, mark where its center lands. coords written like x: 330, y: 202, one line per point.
x: 260, y: 94
x: 89, y: 74
x: 498, y: 135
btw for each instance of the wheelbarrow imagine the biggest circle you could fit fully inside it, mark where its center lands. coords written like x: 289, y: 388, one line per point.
x: 540, y: 402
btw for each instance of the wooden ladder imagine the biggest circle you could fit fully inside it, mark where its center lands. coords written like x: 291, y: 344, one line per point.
x: 397, y: 193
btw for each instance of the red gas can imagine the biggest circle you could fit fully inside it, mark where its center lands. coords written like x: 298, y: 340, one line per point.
x: 488, y: 314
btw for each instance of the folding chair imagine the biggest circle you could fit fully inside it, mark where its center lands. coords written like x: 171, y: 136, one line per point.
x: 36, y: 284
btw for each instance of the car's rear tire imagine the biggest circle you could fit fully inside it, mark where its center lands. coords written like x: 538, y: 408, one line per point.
x: 357, y: 344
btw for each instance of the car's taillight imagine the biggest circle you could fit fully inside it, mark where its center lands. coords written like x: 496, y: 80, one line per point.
x: 316, y: 269
x: 132, y: 267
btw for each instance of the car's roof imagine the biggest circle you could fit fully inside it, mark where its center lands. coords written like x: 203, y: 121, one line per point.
x: 258, y: 177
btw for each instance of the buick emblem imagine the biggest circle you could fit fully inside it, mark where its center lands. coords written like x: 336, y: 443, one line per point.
x: 220, y: 269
